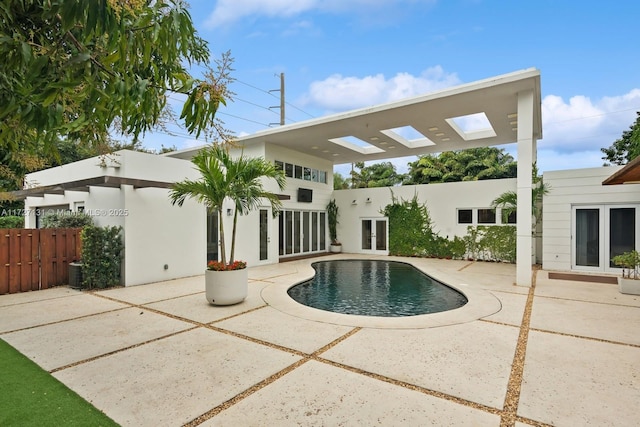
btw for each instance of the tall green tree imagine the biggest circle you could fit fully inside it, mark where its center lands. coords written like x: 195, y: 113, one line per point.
x: 74, y: 68
x: 340, y: 182
x: 626, y: 148
x: 376, y: 175
x: 465, y: 165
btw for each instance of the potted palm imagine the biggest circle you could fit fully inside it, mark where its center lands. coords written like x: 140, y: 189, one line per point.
x: 629, y: 283
x: 239, y: 180
x: 332, y: 216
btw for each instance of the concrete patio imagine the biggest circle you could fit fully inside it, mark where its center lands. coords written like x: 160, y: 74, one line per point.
x: 563, y: 353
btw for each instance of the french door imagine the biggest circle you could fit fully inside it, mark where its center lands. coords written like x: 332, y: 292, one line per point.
x: 302, y: 232
x: 601, y: 232
x: 374, y: 234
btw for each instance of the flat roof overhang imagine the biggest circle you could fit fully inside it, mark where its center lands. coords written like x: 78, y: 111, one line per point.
x: 83, y: 185
x: 430, y: 115
x: 629, y: 174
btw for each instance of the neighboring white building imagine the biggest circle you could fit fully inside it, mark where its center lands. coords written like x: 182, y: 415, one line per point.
x: 163, y: 242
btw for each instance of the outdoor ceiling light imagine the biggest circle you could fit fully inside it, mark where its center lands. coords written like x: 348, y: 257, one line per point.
x: 374, y: 138
x: 433, y: 129
x: 440, y: 134
x: 445, y: 139
x: 512, y: 115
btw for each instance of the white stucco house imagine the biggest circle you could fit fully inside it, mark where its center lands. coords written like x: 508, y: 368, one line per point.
x: 582, y: 217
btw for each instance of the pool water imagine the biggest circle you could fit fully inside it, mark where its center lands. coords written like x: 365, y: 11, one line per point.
x: 375, y: 288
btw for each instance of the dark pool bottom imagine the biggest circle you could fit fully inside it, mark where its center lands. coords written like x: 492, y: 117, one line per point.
x: 375, y: 288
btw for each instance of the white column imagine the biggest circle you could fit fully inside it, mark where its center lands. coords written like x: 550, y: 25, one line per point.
x: 526, y: 157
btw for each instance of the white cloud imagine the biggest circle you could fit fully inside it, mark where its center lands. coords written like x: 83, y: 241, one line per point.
x: 227, y: 12
x: 339, y: 93
x: 582, y: 124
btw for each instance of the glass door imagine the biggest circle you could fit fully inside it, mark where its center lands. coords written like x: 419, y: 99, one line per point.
x: 622, y: 231
x: 374, y: 235
x: 587, y: 237
x: 302, y: 232
x: 264, y: 234
x: 602, y: 232
x: 212, y: 236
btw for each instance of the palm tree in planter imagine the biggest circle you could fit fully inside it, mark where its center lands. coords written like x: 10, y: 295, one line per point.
x: 240, y: 180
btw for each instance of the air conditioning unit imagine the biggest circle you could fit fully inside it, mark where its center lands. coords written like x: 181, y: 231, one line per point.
x: 75, y: 275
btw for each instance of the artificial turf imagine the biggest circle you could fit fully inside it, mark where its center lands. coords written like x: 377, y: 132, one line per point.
x: 30, y: 396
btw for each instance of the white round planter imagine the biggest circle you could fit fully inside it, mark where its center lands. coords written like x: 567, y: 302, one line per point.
x: 226, y: 287
x: 335, y: 248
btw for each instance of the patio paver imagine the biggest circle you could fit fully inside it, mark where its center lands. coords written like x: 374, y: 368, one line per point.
x: 171, y: 381
x: 318, y: 394
x: 471, y: 361
x: 573, y: 381
x: 60, y: 344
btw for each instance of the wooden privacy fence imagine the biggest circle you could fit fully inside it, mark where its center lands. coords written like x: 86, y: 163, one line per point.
x: 33, y: 259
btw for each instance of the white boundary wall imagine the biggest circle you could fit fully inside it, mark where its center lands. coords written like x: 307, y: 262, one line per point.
x: 442, y: 200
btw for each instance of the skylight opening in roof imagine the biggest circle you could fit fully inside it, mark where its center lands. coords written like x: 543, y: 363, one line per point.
x: 472, y: 126
x: 408, y: 136
x: 356, y: 144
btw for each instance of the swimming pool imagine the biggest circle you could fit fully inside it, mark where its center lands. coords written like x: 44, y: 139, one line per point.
x: 375, y: 288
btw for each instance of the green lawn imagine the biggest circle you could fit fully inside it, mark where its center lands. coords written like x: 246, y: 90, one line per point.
x: 32, y: 397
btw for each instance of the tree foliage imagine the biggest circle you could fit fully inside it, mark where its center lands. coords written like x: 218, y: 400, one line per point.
x: 625, y: 149
x: 340, y: 182
x: 73, y: 68
x: 465, y: 165
x: 508, y: 201
x: 376, y: 175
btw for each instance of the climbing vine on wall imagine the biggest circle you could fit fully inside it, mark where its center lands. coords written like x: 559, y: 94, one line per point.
x: 411, y: 231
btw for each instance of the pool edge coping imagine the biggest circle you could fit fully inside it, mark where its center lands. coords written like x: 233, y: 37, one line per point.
x: 480, y: 303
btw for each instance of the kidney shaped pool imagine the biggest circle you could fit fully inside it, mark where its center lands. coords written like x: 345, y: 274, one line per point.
x: 375, y: 288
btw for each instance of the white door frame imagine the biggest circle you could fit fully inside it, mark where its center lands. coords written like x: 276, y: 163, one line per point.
x: 604, y: 218
x: 374, y: 239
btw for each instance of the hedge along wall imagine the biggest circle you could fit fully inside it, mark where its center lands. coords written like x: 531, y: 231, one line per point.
x: 101, y: 256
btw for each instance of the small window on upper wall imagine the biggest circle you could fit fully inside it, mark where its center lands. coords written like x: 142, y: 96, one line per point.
x: 307, y: 174
x: 323, y: 177
x: 511, y: 218
x: 465, y: 216
x: 288, y: 170
x: 314, y: 175
x: 279, y: 165
x: 486, y: 216
x: 298, y: 172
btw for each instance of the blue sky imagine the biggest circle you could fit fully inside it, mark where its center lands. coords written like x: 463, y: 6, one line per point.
x: 339, y: 55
